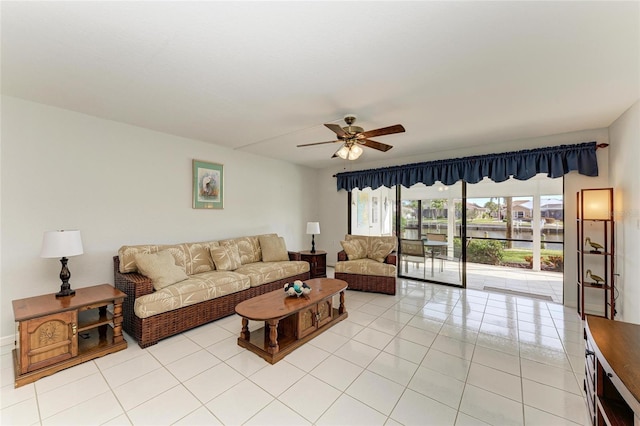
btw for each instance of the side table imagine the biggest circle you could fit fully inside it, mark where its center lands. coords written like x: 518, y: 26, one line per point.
x: 58, y: 333
x: 317, y: 262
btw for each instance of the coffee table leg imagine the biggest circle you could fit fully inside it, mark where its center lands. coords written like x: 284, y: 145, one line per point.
x: 342, y: 309
x: 244, y: 334
x: 273, y: 337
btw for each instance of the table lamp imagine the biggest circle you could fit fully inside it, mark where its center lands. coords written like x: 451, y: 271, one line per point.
x: 62, y: 244
x: 313, y: 228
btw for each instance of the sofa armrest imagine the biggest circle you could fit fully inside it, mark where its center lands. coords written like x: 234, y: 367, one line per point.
x: 132, y: 283
x: 294, y: 255
x: 342, y: 256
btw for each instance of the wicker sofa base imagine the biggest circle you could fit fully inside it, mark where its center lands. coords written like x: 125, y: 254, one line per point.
x: 148, y: 331
x: 375, y: 284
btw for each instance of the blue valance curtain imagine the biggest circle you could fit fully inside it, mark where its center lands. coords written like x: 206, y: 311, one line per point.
x: 554, y: 161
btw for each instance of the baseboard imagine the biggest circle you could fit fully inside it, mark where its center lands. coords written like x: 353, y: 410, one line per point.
x: 7, y: 340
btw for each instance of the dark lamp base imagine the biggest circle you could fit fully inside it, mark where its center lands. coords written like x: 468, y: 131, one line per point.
x: 65, y: 292
x: 65, y: 287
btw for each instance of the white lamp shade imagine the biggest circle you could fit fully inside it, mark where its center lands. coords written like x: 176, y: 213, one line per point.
x: 313, y: 228
x: 596, y: 204
x: 61, y: 244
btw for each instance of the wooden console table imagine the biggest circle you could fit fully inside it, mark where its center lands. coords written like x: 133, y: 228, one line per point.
x: 290, y: 321
x: 612, y: 371
x: 58, y: 333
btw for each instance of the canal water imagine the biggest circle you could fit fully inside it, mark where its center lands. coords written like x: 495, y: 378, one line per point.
x: 553, y: 236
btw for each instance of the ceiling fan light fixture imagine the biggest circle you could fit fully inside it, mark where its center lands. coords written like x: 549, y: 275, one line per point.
x: 355, y: 152
x: 343, y: 152
x: 352, y: 152
x: 353, y: 138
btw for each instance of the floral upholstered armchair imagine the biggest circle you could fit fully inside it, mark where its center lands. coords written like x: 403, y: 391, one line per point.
x: 368, y: 263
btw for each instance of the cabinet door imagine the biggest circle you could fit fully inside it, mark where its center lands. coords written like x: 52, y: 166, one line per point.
x: 321, y: 266
x: 48, y: 340
x: 307, y: 321
x: 325, y: 312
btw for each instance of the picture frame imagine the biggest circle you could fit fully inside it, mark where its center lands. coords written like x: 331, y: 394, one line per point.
x: 208, y: 185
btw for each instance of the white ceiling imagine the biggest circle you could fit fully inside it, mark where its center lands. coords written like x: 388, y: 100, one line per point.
x: 262, y: 77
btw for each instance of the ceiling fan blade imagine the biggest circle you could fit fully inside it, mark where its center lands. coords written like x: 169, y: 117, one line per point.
x: 316, y: 143
x: 337, y: 130
x: 383, y: 131
x: 375, y: 145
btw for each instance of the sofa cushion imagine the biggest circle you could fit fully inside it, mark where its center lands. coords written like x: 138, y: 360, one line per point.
x: 248, y: 248
x: 354, y: 249
x: 273, y: 248
x: 366, y: 267
x: 226, y: 256
x: 127, y: 255
x: 161, y: 268
x: 266, y: 272
x: 198, y: 257
x: 196, y: 289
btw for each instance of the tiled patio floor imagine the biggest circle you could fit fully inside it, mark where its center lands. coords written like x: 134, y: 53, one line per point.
x: 493, y: 278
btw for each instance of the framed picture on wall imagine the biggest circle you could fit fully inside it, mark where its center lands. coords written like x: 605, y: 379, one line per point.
x: 208, y: 185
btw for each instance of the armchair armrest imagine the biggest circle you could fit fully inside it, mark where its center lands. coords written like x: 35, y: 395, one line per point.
x: 392, y: 258
x: 294, y: 255
x: 342, y: 256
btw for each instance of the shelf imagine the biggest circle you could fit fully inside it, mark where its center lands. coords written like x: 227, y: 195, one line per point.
x: 599, y: 230
x: 92, y: 318
x: 615, y: 412
x: 91, y: 340
x: 601, y: 253
x: 594, y: 285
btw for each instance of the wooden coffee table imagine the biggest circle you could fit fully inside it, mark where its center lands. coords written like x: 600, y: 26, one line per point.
x: 290, y: 321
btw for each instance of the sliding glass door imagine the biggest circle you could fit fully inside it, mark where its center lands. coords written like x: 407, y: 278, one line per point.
x: 517, y: 232
x: 430, y: 233
x: 508, y: 237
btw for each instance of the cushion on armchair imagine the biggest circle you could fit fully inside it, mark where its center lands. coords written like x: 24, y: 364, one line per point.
x: 377, y: 248
x: 380, y: 248
x: 354, y: 249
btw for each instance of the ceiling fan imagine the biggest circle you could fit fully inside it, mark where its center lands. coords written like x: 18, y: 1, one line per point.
x: 352, y: 137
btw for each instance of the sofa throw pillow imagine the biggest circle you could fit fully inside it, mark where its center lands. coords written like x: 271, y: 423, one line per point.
x: 226, y: 257
x: 380, y: 248
x: 273, y: 248
x: 354, y: 249
x: 161, y: 268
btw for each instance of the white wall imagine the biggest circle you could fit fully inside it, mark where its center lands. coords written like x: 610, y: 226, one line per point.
x: 624, y: 159
x: 121, y: 184
x: 333, y: 204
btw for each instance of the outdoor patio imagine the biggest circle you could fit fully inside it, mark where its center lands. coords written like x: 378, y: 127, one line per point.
x: 517, y: 281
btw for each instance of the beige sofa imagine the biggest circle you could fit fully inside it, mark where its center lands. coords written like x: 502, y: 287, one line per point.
x: 368, y: 263
x: 173, y: 288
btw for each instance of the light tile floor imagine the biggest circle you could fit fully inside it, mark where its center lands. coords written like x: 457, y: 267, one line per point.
x: 431, y: 355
